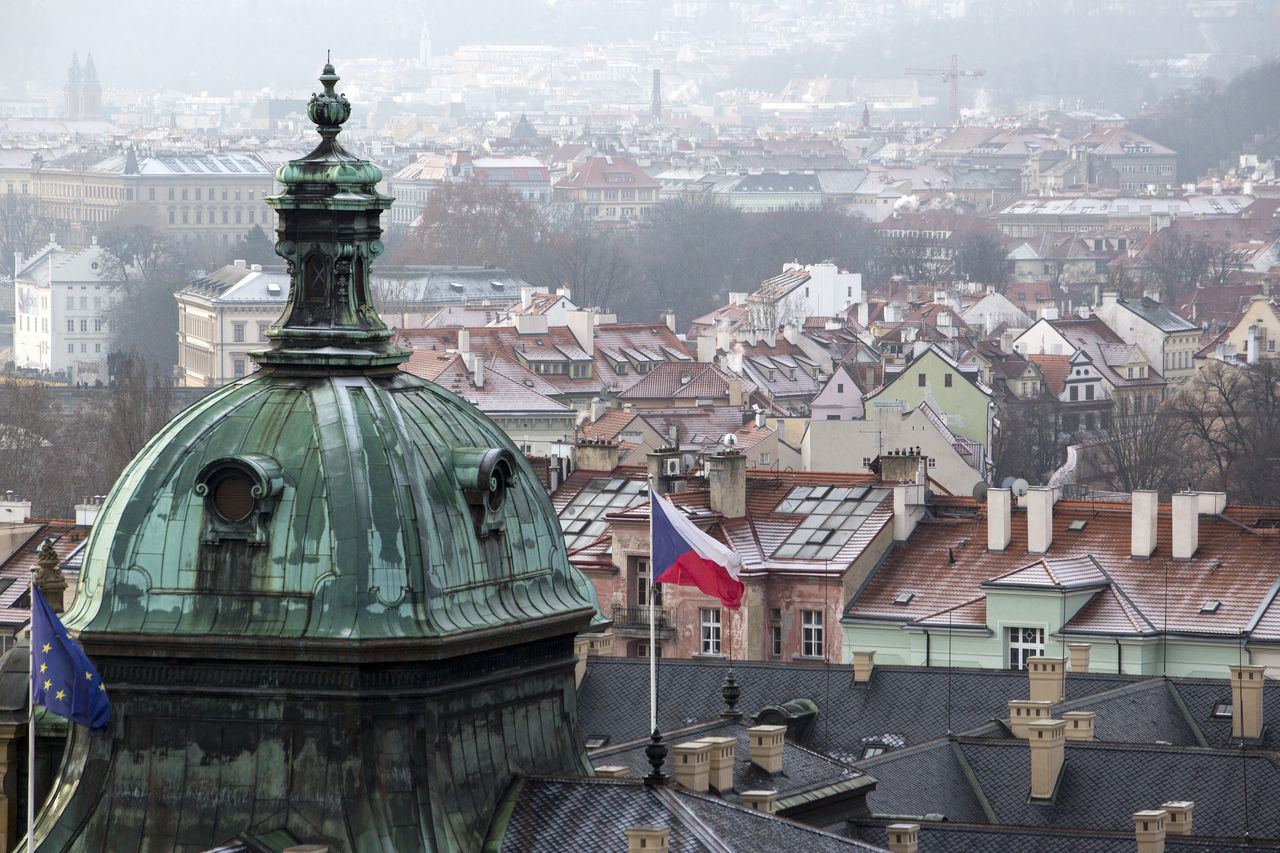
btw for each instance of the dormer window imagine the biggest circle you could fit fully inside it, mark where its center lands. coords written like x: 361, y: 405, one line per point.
x: 240, y: 493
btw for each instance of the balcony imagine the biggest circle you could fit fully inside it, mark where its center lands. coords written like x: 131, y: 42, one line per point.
x: 629, y: 620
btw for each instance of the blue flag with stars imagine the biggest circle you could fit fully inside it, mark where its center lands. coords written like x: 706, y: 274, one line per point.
x: 63, y: 679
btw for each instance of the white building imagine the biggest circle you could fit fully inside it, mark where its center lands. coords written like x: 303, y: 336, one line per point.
x: 61, y: 304
x: 800, y: 292
x: 222, y: 318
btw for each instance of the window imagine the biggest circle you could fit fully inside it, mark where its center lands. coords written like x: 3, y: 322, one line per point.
x: 839, y: 387
x: 84, y: 325
x: 946, y: 380
x: 97, y: 325
x: 151, y: 194
x: 71, y: 348
x: 238, y: 365
x: 71, y: 325
x: 811, y: 645
x: 920, y: 380
x: 1074, y: 393
x: 237, y: 332
x: 1088, y: 392
x: 71, y: 302
x: 97, y: 348
x: 84, y: 348
x: 84, y: 302
x: 262, y: 331
x: 642, y: 586
x: 871, y: 750
x: 1222, y: 710
x: 775, y: 631
x: 710, y: 620
x: 1024, y: 643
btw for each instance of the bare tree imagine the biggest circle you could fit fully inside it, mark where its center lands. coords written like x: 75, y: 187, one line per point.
x: 23, y: 227
x: 1177, y: 262
x: 981, y: 256
x: 146, y: 269
x: 1032, y: 442
x: 1138, y: 450
x: 594, y: 260
x: 138, y: 407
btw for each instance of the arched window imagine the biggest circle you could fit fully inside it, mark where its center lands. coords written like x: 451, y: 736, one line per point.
x: 315, y: 274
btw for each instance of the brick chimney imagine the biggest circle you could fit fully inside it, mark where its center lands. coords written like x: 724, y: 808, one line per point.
x: 1142, y: 537
x: 864, y: 662
x: 1186, y: 525
x: 999, y: 519
x: 904, y: 837
x: 692, y: 761
x: 1039, y: 502
x: 722, y: 749
x: 1047, y: 741
x: 1024, y: 712
x: 1150, y: 830
x: 664, y: 468
x: 1048, y: 678
x: 766, y: 747
x: 645, y: 839
x: 1179, y: 820
x: 761, y: 801
x: 596, y: 455
x: 727, y: 477
x: 1246, y: 701
x: 1079, y: 653
x: 1080, y: 724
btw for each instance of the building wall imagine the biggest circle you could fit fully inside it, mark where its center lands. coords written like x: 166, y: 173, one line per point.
x: 55, y: 335
x: 963, y: 405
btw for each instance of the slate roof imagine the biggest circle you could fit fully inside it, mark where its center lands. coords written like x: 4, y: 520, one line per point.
x: 952, y: 837
x: 16, y: 571
x: 613, y: 700
x: 803, y: 770
x: 557, y: 814
x: 1102, y: 785
x: 682, y: 381
x: 1158, y: 315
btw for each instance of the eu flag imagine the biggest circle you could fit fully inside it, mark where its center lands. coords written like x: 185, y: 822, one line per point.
x: 63, y: 679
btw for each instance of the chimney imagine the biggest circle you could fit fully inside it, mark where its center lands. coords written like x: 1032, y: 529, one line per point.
x: 610, y: 771
x: 727, y: 477
x: 1039, y: 502
x: 1179, y: 820
x: 1251, y: 346
x: 240, y: 263
x: 477, y: 370
x: 663, y: 467
x: 644, y: 839
x: 864, y: 314
x: 596, y: 455
x: 1048, y: 678
x: 760, y: 420
x: 598, y: 408
x: 1150, y: 830
x: 526, y: 296
x: 582, y: 326
x: 669, y: 318
x: 904, y: 837
x: 534, y: 324
x: 1024, y: 712
x: 1145, y: 505
x: 252, y: 267
x: 736, y: 399
x: 581, y: 648
x: 1047, y: 739
x: 721, y: 776
x: 908, y: 508
x: 1246, y: 701
x: 1079, y: 653
x: 1080, y: 724
x: 1213, y: 503
x: 14, y: 510
x: 864, y: 663
x: 761, y: 801
x: 706, y: 349
x: 87, y: 512
x: 693, y: 764
x: 1186, y: 525
x: 999, y: 518
x: 464, y: 341
x: 766, y: 747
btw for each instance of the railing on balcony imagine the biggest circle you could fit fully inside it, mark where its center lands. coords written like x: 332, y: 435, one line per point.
x: 625, y: 616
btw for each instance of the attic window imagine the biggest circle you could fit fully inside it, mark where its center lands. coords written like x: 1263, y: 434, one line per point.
x: 1222, y: 711
x: 1077, y: 525
x: 457, y: 285
x: 1210, y: 606
x: 871, y: 750
x: 498, y: 285
x: 595, y: 741
x: 904, y: 598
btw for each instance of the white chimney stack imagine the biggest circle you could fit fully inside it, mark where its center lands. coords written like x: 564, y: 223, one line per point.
x: 1150, y: 830
x: 14, y: 510
x: 464, y: 341
x: 1145, y: 506
x: 1246, y: 701
x: 1039, y: 501
x: 908, y: 508
x: 999, y: 518
x: 477, y: 370
x: 1186, y: 525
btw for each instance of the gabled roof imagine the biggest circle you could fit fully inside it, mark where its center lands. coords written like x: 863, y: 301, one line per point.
x: 1158, y: 315
x: 608, y: 173
x: 681, y: 381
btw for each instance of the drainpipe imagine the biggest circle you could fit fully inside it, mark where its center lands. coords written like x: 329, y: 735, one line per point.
x: 926, y: 646
x: 1119, y: 657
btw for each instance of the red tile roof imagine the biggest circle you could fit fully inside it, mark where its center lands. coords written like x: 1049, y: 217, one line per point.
x: 17, y: 570
x: 608, y: 173
x: 1055, y: 369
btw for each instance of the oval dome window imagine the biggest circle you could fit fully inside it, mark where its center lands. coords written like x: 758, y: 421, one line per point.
x: 233, y: 497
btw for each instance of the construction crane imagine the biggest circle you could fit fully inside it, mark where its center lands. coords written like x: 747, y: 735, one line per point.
x: 950, y: 76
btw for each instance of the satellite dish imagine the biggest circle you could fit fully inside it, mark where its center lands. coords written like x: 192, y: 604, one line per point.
x: 1007, y: 483
x: 980, y: 491
x: 1020, y: 487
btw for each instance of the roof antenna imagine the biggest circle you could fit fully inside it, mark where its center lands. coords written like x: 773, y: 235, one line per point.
x: 951, y: 557
x: 328, y: 57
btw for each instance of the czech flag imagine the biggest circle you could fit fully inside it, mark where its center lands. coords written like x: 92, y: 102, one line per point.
x: 684, y: 555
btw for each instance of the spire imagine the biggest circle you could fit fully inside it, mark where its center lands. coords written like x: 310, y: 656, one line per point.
x: 73, y: 71
x: 329, y: 235
x: 90, y: 73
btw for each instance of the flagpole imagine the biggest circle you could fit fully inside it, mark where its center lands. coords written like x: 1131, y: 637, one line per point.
x: 653, y: 633
x: 31, y: 729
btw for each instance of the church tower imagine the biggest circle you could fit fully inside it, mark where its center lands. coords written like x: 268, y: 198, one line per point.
x: 331, y: 602
x: 90, y: 91
x: 71, y: 90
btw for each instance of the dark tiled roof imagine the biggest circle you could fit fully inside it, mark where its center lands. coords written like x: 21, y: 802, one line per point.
x: 977, y: 838
x: 614, y: 699
x: 1200, y: 695
x: 558, y: 814
x: 1101, y: 787
x: 803, y: 769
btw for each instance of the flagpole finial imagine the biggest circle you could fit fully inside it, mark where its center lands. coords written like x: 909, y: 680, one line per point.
x: 656, y: 752
x: 730, y: 690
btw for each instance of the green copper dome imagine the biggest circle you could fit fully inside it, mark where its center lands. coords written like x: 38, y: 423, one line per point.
x: 329, y: 496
